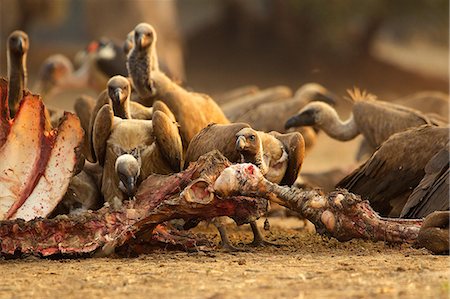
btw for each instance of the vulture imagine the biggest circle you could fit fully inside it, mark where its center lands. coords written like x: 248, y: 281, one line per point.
x: 17, y: 49
x: 430, y: 102
x: 193, y: 111
x: 117, y: 95
x: 406, y: 175
x: 101, y: 60
x: 153, y: 145
x: 375, y: 120
x: 432, y: 193
x: 57, y: 74
x: 142, y: 60
x: 279, y: 156
x: 106, y: 57
x: 272, y: 116
x: 245, y: 104
x: 235, y: 94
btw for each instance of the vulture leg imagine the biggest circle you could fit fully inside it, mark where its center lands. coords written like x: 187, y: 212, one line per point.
x: 186, y: 195
x: 224, y: 240
x: 209, y: 188
x: 258, y: 239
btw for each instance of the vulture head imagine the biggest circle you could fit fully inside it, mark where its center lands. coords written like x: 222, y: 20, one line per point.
x: 313, y: 114
x: 54, y: 70
x: 144, y: 36
x: 128, y: 170
x: 249, y: 145
x: 119, y: 91
x: 18, y: 42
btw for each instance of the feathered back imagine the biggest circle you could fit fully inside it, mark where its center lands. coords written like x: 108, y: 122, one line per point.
x: 215, y: 137
x: 358, y: 95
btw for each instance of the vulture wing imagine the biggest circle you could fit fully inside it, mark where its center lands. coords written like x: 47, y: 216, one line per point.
x: 432, y: 192
x: 396, y: 168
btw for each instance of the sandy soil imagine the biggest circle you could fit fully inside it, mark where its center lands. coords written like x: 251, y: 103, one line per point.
x: 309, y: 266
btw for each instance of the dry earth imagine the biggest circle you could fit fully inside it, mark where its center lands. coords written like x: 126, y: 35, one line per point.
x: 309, y: 266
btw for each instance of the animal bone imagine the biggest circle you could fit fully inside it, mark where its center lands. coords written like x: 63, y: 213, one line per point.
x: 214, y: 189
x: 339, y: 214
x: 36, y: 163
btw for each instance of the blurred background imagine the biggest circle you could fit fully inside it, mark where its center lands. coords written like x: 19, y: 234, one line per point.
x: 391, y: 48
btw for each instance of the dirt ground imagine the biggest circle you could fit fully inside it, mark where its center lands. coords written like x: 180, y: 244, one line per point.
x: 308, y: 266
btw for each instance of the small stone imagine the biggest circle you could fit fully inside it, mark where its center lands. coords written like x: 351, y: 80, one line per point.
x: 241, y: 262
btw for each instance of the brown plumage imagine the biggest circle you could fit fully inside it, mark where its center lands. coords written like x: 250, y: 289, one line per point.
x: 142, y: 60
x: 193, y: 111
x: 433, y: 102
x: 279, y: 156
x: 388, y: 178
x: 235, y: 94
x: 238, y: 142
x: 240, y: 106
x: 273, y: 115
x: 117, y: 95
x: 432, y: 193
x: 18, y: 45
x: 56, y: 74
x: 375, y: 120
x: 156, y: 143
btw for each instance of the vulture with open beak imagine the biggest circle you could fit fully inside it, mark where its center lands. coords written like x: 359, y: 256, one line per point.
x: 406, y: 175
x: 375, y: 120
x: 279, y: 157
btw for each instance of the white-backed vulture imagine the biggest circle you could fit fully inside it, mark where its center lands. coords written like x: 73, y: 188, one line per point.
x: 432, y: 193
x: 279, y: 156
x: 434, y: 102
x: 142, y: 60
x: 375, y: 120
x: 155, y: 143
x: 273, y: 115
x: 234, y: 94
x: 389, y: 177
x: 17, y: 49
x: 57, y: 74
x: 193, y: 111
x: 117, y: 95
x: 235, y: 109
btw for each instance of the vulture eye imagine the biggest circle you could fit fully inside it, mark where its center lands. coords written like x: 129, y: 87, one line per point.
x: 252, y: 137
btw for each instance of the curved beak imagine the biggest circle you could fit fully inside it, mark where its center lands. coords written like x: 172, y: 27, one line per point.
x: 20, y: 44
x: 118, y: 94
x: 130, y: 186
x: 142, y: 41
x: 241, y: 143
x: 302, y: 119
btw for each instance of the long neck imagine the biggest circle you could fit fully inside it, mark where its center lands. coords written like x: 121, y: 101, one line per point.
x: 336, y: 128
x: 17, y: 76
x: 122, y: 110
